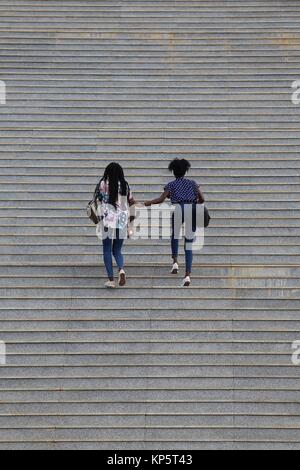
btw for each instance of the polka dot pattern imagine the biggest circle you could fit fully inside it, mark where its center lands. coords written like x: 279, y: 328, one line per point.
x: 182, y: 190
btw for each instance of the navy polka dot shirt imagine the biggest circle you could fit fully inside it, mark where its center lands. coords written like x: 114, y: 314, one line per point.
x: 183, y: 190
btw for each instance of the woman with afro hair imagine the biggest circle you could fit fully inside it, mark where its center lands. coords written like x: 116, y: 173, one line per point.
x: 185, y: 194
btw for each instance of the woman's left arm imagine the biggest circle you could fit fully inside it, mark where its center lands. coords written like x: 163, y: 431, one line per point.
x: 201, y: 196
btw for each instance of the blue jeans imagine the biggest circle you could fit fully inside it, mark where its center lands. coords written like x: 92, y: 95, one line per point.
x: 112, y: 247
x: 184, y: 213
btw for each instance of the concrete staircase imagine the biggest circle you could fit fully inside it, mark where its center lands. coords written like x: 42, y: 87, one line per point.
x: 151, y: 366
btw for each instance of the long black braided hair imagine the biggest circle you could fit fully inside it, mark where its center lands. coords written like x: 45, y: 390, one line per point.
x: 114, y: 176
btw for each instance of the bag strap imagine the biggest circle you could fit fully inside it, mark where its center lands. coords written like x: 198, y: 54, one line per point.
x: 128, y: 192
x: 97, y: 190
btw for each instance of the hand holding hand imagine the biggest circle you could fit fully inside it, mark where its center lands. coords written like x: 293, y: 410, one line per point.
x: 139, y: 205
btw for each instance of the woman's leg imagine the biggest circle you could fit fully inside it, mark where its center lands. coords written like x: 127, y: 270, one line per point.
x: 175, y: 249
x: 176, y: 225
x: 188, y: 256
x: 191, y: 228
x: 117, y: 252
x: 107, y: 255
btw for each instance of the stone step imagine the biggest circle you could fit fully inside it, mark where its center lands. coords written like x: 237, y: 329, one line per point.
x: 250, y: 329
x: 155, y: 339
x: 166, y: 291
x: 138, y: 317
x: 136, y: 362
x: 160, y: 384
x: 142, y: 158
x: 91, y: 53
x: 77, y: 165
x: 174, y: 135
x: 76, y: 213
x: 246, y: 223
x: 215, y: 204
x: 145, y: 395
x: 46, y: 84
x: 237, y: 273
x: 164, y: 281
x: 88, y: 232
x: 47, y: 302
x: 156, y: 120
x: 200, y: 409
x: 90, y: 240
x: 265, y: 74
x: 149, y: 174
x: 164, y: 103
x: 145, y: 251
x: 68, y: 184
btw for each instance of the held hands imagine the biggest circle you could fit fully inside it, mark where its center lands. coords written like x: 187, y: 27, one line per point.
x: 140, y: 205
x: 130, y: 232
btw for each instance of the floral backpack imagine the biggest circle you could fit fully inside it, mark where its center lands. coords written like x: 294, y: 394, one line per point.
x: 113, y: 217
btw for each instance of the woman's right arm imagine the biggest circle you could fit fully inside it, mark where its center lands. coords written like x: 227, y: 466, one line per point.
x: 159, y: 200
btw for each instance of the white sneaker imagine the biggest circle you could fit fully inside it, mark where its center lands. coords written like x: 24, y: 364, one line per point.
x: 175, y: 268
x: 122, y: 278
x: 186, y: 282
x: 110, y: 285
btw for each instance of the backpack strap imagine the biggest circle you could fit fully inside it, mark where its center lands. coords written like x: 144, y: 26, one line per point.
x: 97, y: 191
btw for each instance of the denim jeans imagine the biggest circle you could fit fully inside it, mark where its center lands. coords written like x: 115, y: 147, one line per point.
x: 184, y: 213
x: 112, y: 247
